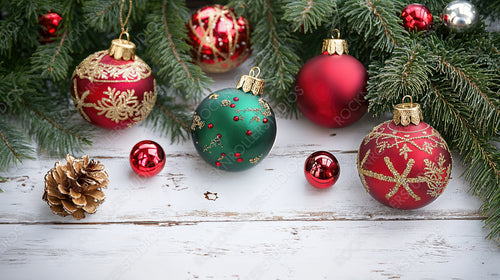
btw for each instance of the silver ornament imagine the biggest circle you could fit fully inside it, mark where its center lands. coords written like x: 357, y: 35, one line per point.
x: 460, y: 15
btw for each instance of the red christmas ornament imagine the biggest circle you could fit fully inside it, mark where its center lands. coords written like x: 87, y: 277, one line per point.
x: 49, y: 23
x: 416, y: 17
x: 147, y: 158
x: 330, y: 88
x: 321, y: 169
x: 114, y: 89
x: 404, y: 163
x: 220, y: 40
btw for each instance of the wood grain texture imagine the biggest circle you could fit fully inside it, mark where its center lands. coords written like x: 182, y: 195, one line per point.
x: 194, y: 222
x: 251, y: 250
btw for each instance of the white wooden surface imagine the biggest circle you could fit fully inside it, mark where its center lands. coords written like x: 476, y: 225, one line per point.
x: 266, y: 223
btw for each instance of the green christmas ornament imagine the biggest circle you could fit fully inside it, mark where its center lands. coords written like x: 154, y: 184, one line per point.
x: 234, y: 129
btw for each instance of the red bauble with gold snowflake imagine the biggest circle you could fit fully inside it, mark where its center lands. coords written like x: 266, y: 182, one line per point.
x: 114, y: 89
x: 404, y: 163
x: 219, y: 39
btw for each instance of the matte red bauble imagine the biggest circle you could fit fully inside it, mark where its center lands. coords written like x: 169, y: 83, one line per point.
x: 147, y: 158
x: 49, y: 23
x: 330, y: 88
x: 416, y: 17
x: 114, y: 89
x: 321, y: 169
x: 404, y: 163
x: 219, y: 39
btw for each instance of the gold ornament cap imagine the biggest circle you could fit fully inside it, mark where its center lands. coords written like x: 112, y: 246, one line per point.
x: 122, y: 49
x: 251, y: 82
x: 406, y: 113
x: 335, y: 46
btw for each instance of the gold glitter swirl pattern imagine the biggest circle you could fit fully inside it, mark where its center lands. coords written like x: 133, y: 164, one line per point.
x: 93, y: 69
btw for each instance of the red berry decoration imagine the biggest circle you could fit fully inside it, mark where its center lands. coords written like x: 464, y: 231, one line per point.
x: 220, y: 40
x: 330, y: 88
x: 147, y: 158
x: 321, y: 169
x: 404, y: 163
x: 416, y: 17
x: 49, y: 23
x: 114, y: 89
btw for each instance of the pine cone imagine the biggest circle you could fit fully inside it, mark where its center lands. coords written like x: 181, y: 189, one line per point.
x: 75, y: 188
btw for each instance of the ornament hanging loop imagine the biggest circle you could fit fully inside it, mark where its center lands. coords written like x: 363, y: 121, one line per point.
x: 126, y: 33
x: 251, y: 82
x: 252, y: 72
x: 335, y: 30
x: 406, y: 113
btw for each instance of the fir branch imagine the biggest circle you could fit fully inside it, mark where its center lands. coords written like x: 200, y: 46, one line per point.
x: 407, y: 72
x: 53, y: 60
x: 166, y: 37
x: 454, y: 120
x: 275, y: 49
x: 472, y: 84
x: 57, y: 137
x: 307, y: 15
x: 375, y: 21
x: 13, y: 145
x: 170, y: 118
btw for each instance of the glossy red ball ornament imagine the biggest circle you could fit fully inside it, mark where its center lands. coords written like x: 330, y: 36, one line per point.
x: 330, y: 87
x: 219, y: 39
x: 416, y: 17
x: 404, y: 163
x: 321, y: 169
x: 49, y: 24
x: 147, y: 158
x: 114, y: 89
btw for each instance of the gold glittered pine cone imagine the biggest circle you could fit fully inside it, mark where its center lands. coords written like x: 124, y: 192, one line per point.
x: 75, y: 187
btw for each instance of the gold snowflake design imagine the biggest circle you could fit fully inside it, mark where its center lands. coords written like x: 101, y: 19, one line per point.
x: 197, y: 122
x: 215, y: 142
x: 432, y: 176
x: 92, y: 69
x: 119, y: 106
x: 263, y: 109
x: 400, y: 142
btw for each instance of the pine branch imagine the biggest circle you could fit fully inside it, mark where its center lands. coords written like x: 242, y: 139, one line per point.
x: 14, y: 147
x: 275, y: 49
x: 170, y: 118
x: 54, y: 130
x: 53, y: 60
x: 307, y: 15
x: 407, y: 72
x: 472, y: 82
x: 166, y: 37
x: 376, y: 21
x: 454, y: 120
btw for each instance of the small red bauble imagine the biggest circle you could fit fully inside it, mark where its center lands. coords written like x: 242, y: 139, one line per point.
x: 416, y: 17
x: 321, y: 169
x: 220, y: 40
x: 330, y: 88
x: 49, y: 23
x: 404, y: 163
x: 147, y: 158
x: 114, y: 89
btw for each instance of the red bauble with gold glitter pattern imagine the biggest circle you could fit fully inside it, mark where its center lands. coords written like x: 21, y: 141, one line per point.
x: 220, y: 40
x: 114, y: 89
x: 404, y: 163
x: 330, y: 87
x: 416, y: 17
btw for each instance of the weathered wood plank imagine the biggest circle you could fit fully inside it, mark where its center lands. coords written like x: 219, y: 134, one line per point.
x: 251, y: 250
x: 274, y: 190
